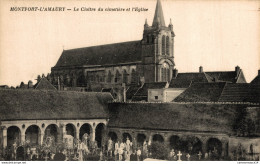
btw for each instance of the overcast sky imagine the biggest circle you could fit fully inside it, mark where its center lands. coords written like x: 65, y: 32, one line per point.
x: 217, y: 35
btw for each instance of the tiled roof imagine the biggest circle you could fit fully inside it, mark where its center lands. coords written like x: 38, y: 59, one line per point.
x: 44, y: 84
x: 240, y: 93
x: 256, y: 80
x: 220, y: 92
x: 142, y: 92
x: 227, y: 76
x: 110, y: 54
x: 184, y: 80
x: 175, y: 116
x: 130, y: 92
x: 202, y: 92
x: 39, y: 104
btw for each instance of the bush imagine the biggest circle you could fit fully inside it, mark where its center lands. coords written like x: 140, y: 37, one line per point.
x: 159, y: 150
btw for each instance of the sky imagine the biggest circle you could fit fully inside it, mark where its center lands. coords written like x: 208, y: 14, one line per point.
x: 215, y: 34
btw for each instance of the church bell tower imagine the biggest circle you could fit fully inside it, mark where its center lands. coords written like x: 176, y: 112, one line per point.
x: 158, y: 48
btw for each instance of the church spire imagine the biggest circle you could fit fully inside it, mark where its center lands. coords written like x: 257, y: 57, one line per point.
x: 158, y: 15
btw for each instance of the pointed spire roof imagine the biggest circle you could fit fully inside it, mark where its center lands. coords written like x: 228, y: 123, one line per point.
x: 158, y: 15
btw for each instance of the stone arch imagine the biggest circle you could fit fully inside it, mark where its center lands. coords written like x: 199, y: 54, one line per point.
x: 13, y: 136
x: 71, y: 129
x: 33, y: 135
x: 125, y: 135
x: 100, y: 134
x: 196, y: 145
x: 174, y: 142
x: 51, y: 130
x: 113, y: 136
x: 140, y: 139
x: 85, y: 128
x: 214, y: 144
x: 158, y: 138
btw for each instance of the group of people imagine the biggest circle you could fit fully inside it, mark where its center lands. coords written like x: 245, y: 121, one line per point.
x: 126, y: 151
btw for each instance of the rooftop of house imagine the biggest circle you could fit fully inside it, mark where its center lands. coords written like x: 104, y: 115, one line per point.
x: 184, y: 80
x: 220, y: 92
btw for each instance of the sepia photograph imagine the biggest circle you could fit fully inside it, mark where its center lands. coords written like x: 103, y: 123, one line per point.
x: 128, y: 80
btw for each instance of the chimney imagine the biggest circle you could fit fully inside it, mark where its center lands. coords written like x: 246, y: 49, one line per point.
x: 174, y: 73
x: 30, y: 84
x: 237, y: 69
x: 201, y: 69
x: 259, y: 72
x: 38, y: 78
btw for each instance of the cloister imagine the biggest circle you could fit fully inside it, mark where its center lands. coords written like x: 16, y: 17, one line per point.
x: 179, y: 140
x: 35, y: 130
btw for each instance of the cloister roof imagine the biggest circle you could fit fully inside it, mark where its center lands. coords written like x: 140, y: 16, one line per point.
x: 195, y: 117
x: 45, y: 105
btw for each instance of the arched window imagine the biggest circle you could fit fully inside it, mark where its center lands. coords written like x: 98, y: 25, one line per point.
x: 133, y: 77
x: 125, y: 77
x: 167, y: 45
x: 109, y: 77
x: 118, y: 76
x: 163, y: 45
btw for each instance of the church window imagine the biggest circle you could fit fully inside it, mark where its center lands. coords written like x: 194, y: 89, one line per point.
x: 117, y: 78
x: 167, y: 45
x: 165, y: 73
x: 163, y: 45
x: 125, y: 77
x: 109, y: 77
x: 133, y: 77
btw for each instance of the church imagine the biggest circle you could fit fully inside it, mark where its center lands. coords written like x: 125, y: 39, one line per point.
x: 148, y: 60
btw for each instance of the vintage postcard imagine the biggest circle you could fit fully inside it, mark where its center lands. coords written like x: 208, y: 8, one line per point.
x: 114, y: 80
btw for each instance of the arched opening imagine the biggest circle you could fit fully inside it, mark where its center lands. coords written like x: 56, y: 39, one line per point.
x: 51, y: 131
x: 125, y: 136
x: 214, y: 145
x: 125, y: 77
x: 71, y: 130
x: 113, y: 136
x: 109, y: 77
x: 175, y: 142
x: 100, y: 131
x: 158, y: 138
x: 196, y: 146
x: 117, y: 77
x: 85, y: 128
x: 134, y: 77
x: 140, y: 139
x: 13, y: 136
x: 32, y: 135
x: 165, y: 72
